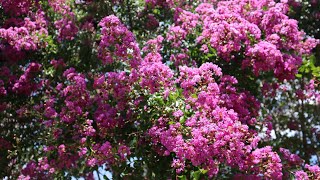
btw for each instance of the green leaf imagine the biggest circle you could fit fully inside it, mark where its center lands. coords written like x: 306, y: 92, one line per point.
x: 182, y: 120
x: 182, y: 177
x: 203, y: 171
x: 196, y: 175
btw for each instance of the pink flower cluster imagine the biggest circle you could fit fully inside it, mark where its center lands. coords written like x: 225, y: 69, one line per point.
x: 212, y: 133
x: 16, y: 7
x: 257, y: 33
x: 117, y: 43
x: 27, y: 83
x: 67, y: 29
x: 25, y: 35
x: 187, y: 20
x: 20, y: 84
x: 269, y: 163
x: 311, y: 172
x: 263, y: 57
x: 154, y: 76
x: 292, y: 159
x: 153, y: 45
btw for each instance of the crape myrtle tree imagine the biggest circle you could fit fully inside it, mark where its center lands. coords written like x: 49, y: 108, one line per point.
x: 156, y: 89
